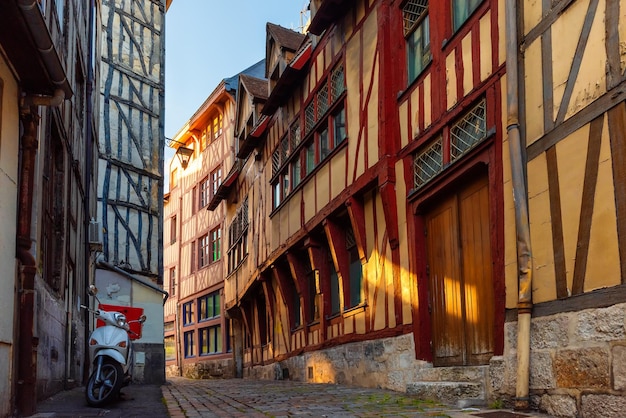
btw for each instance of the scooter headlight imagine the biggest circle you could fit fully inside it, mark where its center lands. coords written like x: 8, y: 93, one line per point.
x: 120, y: 319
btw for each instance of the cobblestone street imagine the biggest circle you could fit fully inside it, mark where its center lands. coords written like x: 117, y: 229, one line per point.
x: 181, y: 397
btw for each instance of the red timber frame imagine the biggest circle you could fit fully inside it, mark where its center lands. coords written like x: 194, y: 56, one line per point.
x: 485, y: 157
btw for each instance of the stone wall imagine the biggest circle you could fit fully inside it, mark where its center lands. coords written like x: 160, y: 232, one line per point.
x: 387, y: 363
x: 577, y: 361
x: 222, y: 368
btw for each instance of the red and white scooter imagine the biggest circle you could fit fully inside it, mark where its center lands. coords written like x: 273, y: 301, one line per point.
x: 110, y: 350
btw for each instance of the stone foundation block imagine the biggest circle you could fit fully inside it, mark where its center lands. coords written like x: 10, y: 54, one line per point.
x: 584, y: 368
x: 559, y: 405
x: 603, y: 406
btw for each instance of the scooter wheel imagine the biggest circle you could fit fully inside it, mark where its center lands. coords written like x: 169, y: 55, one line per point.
x: 107, y: 389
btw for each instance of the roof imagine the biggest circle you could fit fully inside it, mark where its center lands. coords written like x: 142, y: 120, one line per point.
x: 257, y: 87
x: 255, y: 70
x: 286, y: 38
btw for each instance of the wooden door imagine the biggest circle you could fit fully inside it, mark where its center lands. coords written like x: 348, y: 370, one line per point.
x: 460, y: 277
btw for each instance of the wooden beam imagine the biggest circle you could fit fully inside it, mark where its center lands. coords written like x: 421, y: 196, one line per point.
x: 357, y: 219
x: 605, y: 102
x: 557, y: 223
x: 586, y: 210
x: 617, y: 131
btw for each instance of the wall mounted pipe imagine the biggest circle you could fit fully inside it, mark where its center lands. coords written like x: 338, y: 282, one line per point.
x: 520, y: 197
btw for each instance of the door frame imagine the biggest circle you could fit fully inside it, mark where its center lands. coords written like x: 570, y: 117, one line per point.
x: 485, y: 158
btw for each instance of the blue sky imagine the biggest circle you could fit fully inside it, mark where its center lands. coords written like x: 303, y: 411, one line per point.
x: 209, y: 40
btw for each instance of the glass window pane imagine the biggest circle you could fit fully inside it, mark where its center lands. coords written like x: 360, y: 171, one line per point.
x: 324, y: 145
x: 310, y: 158
x: 339, y: 126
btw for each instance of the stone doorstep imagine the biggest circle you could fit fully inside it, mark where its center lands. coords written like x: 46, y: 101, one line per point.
x: 461, y: 394
x: 476, y: 374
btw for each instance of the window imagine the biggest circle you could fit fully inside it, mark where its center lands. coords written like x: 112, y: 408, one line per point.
x: 461, y: 11
x: 204, y: 192
x: 173, y: 229
x: 356, y: 271
x: 194, y: 199
x: 417, y: 34
x: 324, y: 146
x: 216, y: 180
x: 170, y: 348
x: 204, y: 251
x: 192, y: 256
x: 211, y: 340
x: 53, y: 208
x: 238, y: 237
x: 468, y: 131
x: 296, y: 172
x: 335, y: 305
x: 188, y: 313
x: 174, y: 178
x: 188, y: 338
x: 209, y: 306
x: 464, y: 134
x: 173, y: 281
x: 339, y: 126
x: 215, y: 237
x: 324, y: 125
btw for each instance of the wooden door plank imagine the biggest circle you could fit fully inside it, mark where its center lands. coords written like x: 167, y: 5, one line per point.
x: 445, y: 286
x: 477, y: 271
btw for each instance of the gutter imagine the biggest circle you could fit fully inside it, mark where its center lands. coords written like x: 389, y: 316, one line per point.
x: 45, y: 46
x: 520, y: 197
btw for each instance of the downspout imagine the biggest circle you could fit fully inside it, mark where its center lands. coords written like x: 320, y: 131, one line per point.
x: 520, y: 197
x: 27, y: 363
x: 88, y: 171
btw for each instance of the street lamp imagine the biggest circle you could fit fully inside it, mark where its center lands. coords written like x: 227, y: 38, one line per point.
x: 184, y: 155
x: 182, y: 152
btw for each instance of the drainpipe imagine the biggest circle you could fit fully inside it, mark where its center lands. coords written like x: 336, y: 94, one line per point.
x: 88, y: 171
x: 522, y: 227
x: 27, y: 342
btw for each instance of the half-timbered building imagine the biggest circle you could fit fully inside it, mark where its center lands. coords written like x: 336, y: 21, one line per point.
x: 567, y: 79
x: 381, y: 154
x: 197, y: 331
x: 130, y: 156
x: 432, y: 201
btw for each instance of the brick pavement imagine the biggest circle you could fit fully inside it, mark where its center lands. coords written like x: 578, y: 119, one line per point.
x: 181, y: 397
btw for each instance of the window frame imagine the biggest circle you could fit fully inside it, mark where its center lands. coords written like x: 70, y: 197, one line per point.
x: 188, y: 316
x: 210, y: 338
x: 305, y: 150
x: 468, y: 11
x: 188, y: 340
x: 215, y: 243
x: 206, y: 314
x: 417, y: 56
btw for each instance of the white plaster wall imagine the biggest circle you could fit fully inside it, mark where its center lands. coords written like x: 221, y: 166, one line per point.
x: 9, y: 134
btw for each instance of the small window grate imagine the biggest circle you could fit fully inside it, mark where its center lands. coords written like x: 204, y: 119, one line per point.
x: 468, y: 131
x: 322, y: 100
x: 428, y: 163
x: 294, y: 136
x: 337, y: 83
x: 309, y: 114
x: 284, y: 149
x: 275, y: 162
x: 411, y: 13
